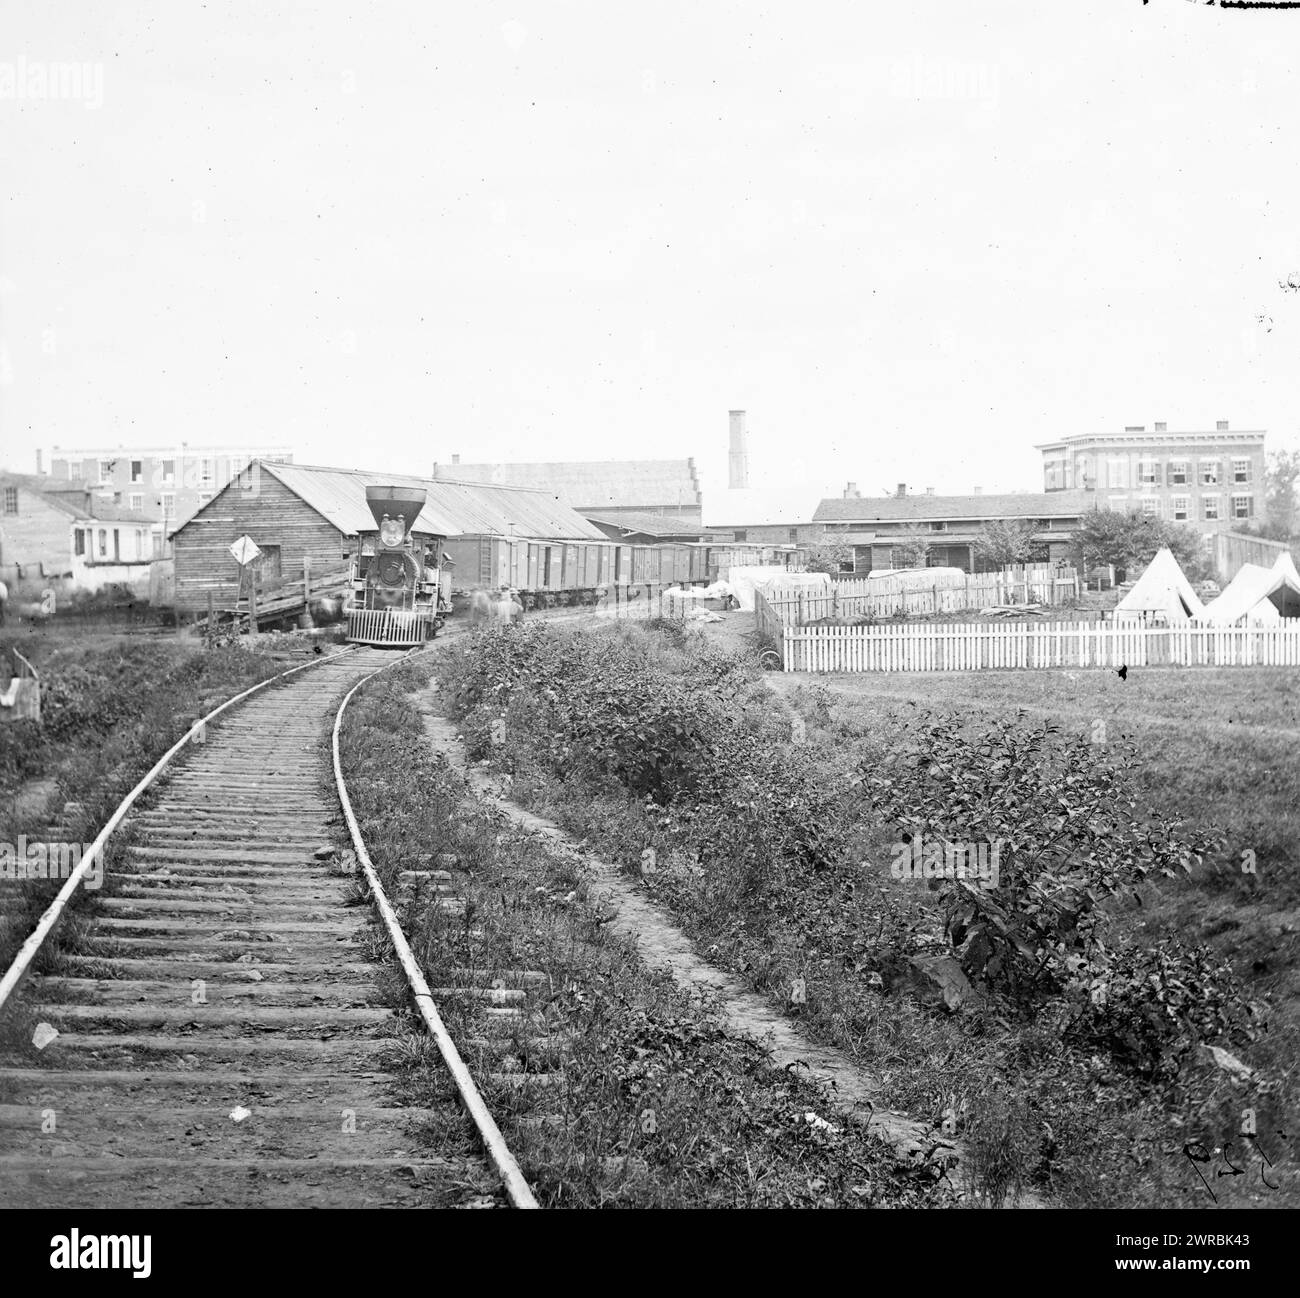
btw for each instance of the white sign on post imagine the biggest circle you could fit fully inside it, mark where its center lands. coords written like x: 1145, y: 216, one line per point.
x: 245, y: 550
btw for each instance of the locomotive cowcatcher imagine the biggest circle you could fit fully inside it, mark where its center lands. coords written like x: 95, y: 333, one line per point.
x: 396, y: 599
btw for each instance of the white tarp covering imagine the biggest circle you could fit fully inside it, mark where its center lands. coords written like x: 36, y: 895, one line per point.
x: 1161, y: 592
x: 744, y: 580
x: 905, y: 579
x: 1258, y: 596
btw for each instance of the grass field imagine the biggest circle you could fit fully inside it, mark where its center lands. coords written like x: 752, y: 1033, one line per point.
x: 1219, y: 749
x: 793, y: 823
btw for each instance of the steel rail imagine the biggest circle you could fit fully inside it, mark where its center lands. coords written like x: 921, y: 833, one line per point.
x: 517, y: 1188
x: 54, y: 910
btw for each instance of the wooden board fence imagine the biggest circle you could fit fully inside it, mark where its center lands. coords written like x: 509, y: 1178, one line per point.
x: 890, y: 596
x: 955, y: 647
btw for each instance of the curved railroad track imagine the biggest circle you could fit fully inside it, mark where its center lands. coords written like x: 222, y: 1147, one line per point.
x: 222, y: 1039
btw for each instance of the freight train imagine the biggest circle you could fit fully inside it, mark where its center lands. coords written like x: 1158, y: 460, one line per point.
x: 403, y: 591
x: 550, y: 574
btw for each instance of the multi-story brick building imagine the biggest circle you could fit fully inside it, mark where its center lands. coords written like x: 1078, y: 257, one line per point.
x: 1213, y: 481
x: 166, y: 484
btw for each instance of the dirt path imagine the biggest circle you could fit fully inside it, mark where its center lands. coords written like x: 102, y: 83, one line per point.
x: 663, y: 945
x: 220, y: 1038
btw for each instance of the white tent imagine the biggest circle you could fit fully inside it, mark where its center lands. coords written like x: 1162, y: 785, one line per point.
x: 1162, y: 592
x: 1258, y: 596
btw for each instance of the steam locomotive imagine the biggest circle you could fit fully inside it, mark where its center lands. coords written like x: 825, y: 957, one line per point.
x: 397, y: 600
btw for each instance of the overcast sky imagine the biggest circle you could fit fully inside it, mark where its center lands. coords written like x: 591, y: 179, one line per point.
x: 910, y: 240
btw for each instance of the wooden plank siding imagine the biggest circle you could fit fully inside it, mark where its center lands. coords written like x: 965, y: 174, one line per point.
x: 273, y: 516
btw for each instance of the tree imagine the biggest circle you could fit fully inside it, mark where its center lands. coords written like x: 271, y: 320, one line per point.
x: 909, y: 549
x: 1127, y: 541
x: 1000, y: 543
x: 834, y: 557
x: 1280, y: 495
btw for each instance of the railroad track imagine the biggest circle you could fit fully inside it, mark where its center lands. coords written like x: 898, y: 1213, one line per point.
x: 222, y: 1040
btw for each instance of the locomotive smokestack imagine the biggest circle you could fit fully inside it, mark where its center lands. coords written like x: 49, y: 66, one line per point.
x: 406, y: 501
x: 738, y: 466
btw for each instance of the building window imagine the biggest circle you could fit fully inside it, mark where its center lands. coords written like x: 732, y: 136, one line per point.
x: 1180, y: 504
x: 1117, y: 473
x: 103, y: 542
x: 169, y: 470
x: 793, y: 534
x: 137, y: 501
x: 1209, y: 473
x: 1209, y: 507
x: 168, y: 506
x: 1149, y: 473
x: 740, y: 536
x: 1150, y: 507
x: 78, y: 541
x: 11, y: 500
x: 105, y: 471
x: 74, y: 470
x: 1054, y: 475
x: 1241, y: 471
x: 1177, y: 473
x: 137, y: 470
x: 938, y: 527
x: 1243, y: 506
x: 205, y: 473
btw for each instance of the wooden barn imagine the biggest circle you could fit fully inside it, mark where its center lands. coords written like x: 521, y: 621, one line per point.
x: 305, y: 520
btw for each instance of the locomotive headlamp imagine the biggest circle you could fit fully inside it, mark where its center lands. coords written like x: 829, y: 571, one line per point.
x: 392, y: 530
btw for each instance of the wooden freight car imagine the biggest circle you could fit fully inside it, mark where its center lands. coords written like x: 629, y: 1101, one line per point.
x: 557, y: 573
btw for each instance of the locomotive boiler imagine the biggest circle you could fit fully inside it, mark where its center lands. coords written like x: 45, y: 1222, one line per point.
x: 396, y: 574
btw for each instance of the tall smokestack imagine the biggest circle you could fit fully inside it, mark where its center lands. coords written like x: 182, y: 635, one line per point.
x: 738, y: 462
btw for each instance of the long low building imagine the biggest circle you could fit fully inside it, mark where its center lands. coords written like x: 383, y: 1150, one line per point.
x: 303, y: 516
x: 949, y: 524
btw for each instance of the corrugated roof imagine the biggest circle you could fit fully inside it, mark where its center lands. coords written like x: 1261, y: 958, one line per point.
x: 450, y: 509
x: 592, y: 484
x: 1028, y: 504
x: 650, y: 524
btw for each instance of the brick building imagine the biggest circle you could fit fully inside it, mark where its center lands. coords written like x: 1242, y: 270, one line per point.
x: 1213, y: 481
x: 165, y: 483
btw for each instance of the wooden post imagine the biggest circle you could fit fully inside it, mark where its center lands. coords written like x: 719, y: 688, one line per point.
x: 306, y: 620
x: 252, y: 600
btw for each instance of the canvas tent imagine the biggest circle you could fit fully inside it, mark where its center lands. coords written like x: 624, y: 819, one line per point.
x: 1258, y: 596
x: 1161, y: 593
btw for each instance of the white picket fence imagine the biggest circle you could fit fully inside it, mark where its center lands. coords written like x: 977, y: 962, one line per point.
x: 957, y: 647
x: 916, y: 596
